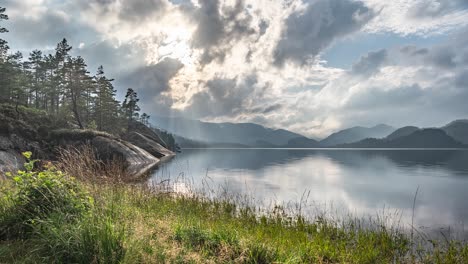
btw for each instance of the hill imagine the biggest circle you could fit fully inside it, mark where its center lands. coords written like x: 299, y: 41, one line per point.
x: 458, y: 130
x: 355, y: 134
x: 303, y: 142
x: 424, y: 138
x: 242, y: 133
x: 402, y: 132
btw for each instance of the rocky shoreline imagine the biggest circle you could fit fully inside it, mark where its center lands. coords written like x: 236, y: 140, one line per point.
x: 140, y: 149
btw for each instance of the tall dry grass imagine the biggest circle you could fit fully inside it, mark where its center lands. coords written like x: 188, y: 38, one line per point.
x: 84, y: 163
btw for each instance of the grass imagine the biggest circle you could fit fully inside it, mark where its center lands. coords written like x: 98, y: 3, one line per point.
x: 109, y: 222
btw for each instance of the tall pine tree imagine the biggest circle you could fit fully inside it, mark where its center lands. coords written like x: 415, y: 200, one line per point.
x: 106, y: 106
x: 130, y: 106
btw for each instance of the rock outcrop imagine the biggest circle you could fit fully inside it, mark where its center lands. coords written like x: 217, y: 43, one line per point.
x: 136, y: 160
x: 10, y: 161
x: 149, y: 145
x: 147, y: 132
x: 33, y: 131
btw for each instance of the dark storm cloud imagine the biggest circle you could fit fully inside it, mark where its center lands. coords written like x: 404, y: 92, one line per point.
x: 137, y: 10
x: 445, y: 57
x: 266, y: 110
x: 263, y: 26
x: 46, y: 30
x: 229, y: 98
x: 152, y: 80
x: 310, y: 32
x: 435, y: 8
x: 414, y: 51
x: 219, y: 98
x: 105, y: 53
x: 462, y: 79
x: 129, y: 10
x: 370, y: 63
x: 217, y: 29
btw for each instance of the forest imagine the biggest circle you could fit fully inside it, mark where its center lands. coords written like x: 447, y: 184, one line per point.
x: 62, y: 85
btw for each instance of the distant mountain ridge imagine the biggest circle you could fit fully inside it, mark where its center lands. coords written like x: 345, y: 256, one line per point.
x: 458, y: 129
x: 421, y: 138
x: 197, y: 134
x: 355, y: 134
x: 226, y: 133
x: 401, y: 132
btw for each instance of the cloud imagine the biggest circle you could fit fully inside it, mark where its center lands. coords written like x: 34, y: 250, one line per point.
x: 110, y: 55
x: 139, y: 10
x: 417, y: 17
x: 135, y: 11
x: 43, y: 27
x: 370, y: 63
x: 152, y: 80
x: 312, y: 30
x: 436, y: 8
x: 218, y: 26
x: 377, y: 98
x: 407, y: 85
x: 260, y: 60
x: 224, y: 97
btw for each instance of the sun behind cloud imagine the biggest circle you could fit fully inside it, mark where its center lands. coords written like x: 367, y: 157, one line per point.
x: 176, y: 44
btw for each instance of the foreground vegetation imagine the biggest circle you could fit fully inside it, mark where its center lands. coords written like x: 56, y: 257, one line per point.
x: 47, y: 216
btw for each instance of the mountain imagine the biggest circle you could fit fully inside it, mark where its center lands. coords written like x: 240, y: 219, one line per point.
x: 402, y: 132
x: 188, y: 143
x: 242, y: 133
x: 458, y: 130
x: 424, y: 138
x: 302, y: 142
x: 355, y: 134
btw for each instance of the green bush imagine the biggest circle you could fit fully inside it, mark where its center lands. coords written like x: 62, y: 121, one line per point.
x: 37, y: 195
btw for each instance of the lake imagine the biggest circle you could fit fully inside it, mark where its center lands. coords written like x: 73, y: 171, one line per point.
x: 342, y: 181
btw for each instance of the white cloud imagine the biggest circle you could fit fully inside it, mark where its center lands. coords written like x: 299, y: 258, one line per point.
x: 215, y: 60
x: 398, y: 16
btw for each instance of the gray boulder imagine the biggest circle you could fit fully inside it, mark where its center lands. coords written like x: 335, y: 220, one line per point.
x: 149, y: 145
x: 137, y: 161
x: 10, y: 161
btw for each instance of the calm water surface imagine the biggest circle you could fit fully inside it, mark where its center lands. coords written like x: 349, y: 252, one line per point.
x: 360, y: 182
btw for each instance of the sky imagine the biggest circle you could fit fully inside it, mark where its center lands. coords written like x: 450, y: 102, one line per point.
x: 309, y: 66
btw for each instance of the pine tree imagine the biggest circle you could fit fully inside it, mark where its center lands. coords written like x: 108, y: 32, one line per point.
x: 3, y: 16
x: 77, y: 83
x: 130, y: 106
x: 106, y: 106
x: 59, y: 78
x: 144, y: 119
x: 48, y: 88
x: 16, y: 81
x: 36, y: 67
x: 3, y: 59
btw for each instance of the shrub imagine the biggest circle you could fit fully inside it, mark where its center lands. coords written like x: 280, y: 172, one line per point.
x: 37, y: 195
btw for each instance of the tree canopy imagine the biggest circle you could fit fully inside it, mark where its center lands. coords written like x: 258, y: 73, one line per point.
x: 62, y: 85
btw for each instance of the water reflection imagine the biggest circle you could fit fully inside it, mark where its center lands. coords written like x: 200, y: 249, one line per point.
x: 357, y: 181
